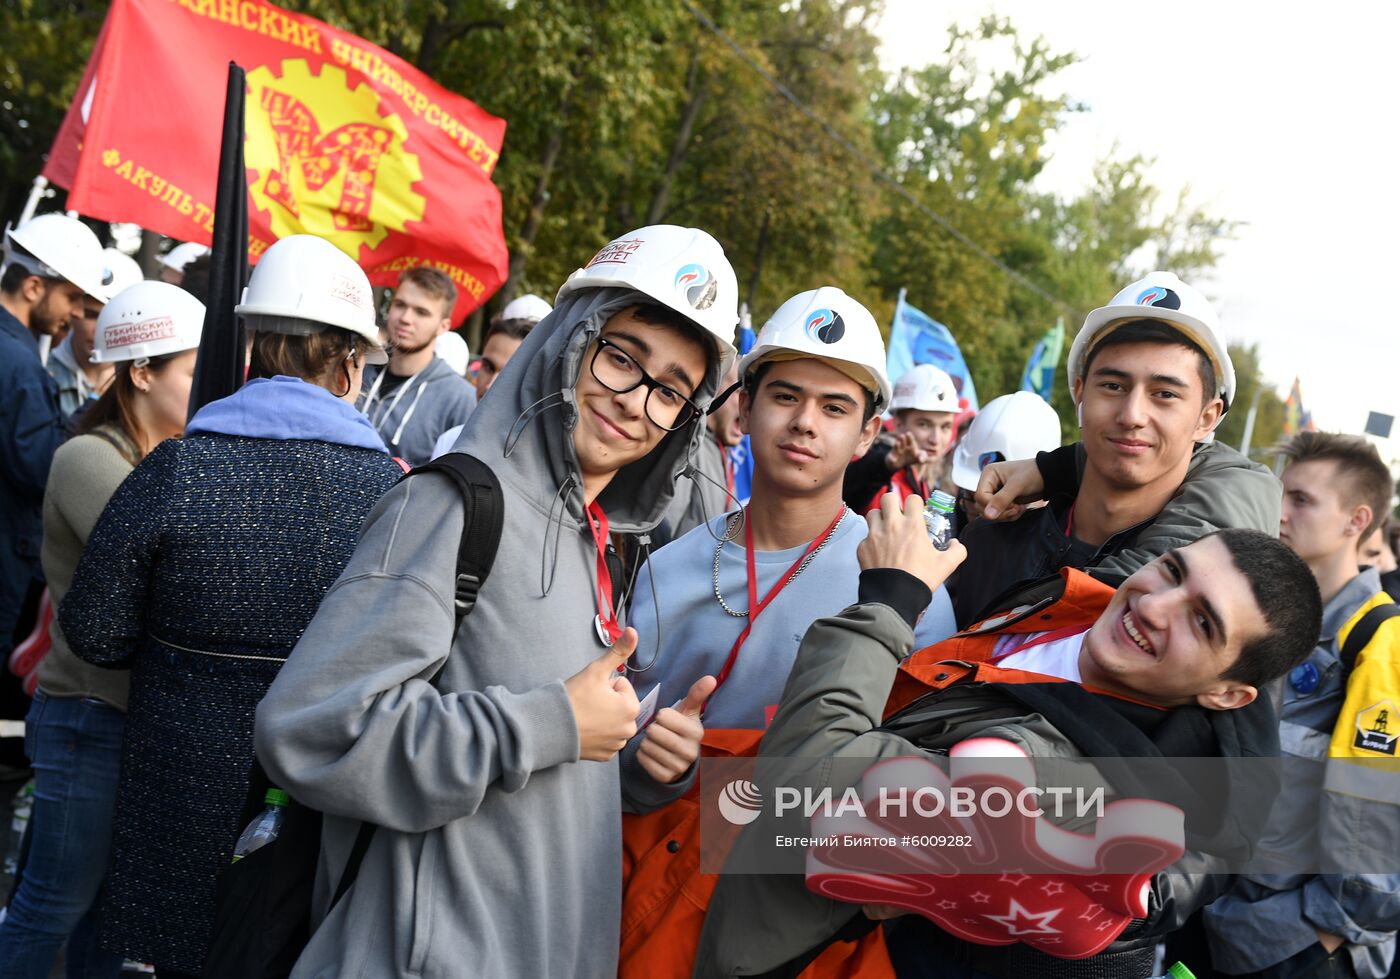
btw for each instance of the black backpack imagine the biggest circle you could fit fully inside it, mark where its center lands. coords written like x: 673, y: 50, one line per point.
x: 262, y: 907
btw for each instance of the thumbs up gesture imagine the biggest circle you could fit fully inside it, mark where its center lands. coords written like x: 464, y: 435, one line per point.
x: 672, y: 742
x: 605, y: 706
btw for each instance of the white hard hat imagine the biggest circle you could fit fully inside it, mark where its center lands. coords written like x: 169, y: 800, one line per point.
x: 825, y: 324
x: 683, y: 268
x: 148, y: 319
x: 59, y: 247
x: 527, y: 307
x: 1159, y: 296
x: 122, y: 272
x: 183, y: 254
x: 1014, y: 426
x: 304, y: 284
x: 925, y: 387
x: 453, y: 349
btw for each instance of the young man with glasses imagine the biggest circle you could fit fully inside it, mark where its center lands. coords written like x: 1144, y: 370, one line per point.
x: 498, y: 851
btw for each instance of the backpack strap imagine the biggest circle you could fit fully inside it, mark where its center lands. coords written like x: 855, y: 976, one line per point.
x: 1364, y: 630
x: 483, y: 513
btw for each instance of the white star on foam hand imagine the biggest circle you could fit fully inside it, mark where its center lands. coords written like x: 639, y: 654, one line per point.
x: 1052, y: 888
x: 1015, y: 880
x: 1016, y: 913
x: 979, y: 898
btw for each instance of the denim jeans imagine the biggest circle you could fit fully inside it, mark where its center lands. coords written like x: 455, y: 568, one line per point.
x: 75, y: 747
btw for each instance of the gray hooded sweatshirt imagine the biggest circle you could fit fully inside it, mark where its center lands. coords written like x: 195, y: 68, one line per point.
x: 499, y: 852
x: 414, y: 414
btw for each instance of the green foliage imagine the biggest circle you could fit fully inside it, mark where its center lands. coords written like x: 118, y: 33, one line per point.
x: 627, y: 114
x: 1268, y: 421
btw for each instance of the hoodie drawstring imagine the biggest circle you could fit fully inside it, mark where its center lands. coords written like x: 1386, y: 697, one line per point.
x: 398, y: 432
x: 527, y: 415
x: 549, y: 561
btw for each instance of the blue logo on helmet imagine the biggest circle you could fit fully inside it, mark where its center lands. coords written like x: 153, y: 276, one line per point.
x: 825, y: 326
x: 1159, y: 296
x: 698, y: 284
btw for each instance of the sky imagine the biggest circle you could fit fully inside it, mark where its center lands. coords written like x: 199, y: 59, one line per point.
x: 1277, y: 118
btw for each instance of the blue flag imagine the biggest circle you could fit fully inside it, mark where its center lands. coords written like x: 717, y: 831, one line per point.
x: 919, y: 339
x: 1039, y: 375
x: 740, y: 457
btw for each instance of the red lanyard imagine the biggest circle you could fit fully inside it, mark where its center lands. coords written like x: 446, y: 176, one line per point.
x: 1040, y: 640
x: 728, y: 467
x: 606, y: 622
x: 755, y: 606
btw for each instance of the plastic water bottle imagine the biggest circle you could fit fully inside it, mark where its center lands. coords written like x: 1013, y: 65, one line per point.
x: 264, y: 829
x: 19, y: 819
x: 1178, y: 971
x: 938, y: 518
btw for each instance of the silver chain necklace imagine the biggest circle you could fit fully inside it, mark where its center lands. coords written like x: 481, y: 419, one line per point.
x: 732, y: 529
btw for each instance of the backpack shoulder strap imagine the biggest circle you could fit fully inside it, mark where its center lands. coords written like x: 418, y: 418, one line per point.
x: 1364, y: 631
x: 483, y: 512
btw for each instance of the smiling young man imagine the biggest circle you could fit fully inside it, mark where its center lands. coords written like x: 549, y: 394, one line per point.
x: 720, y: 611
x: 1155, y: 670
x: 1151, y: 377
x: 909, y: 458
x: 486, y: 755
x: 417, y: 396
x: 1336, y: 490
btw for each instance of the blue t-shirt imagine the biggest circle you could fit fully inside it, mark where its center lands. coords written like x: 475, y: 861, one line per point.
x: 697, y: 634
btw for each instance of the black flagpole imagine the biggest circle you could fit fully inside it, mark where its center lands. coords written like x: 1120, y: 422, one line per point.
x: 219, y: 368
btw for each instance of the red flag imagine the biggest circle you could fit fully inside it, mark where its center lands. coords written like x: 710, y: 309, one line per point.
x: 344, y: 140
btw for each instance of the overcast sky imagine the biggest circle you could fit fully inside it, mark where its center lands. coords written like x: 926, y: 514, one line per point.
x: 1281, y: 118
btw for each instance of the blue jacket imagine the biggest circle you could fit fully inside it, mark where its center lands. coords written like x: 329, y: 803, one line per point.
x: 31, y: 429
x: 200, y: 576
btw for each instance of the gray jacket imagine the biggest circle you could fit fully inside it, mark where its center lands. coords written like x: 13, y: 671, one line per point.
x: 1221, y: 489
x: 499, y: 852
x: 411, y: 418
x: 832, y: 710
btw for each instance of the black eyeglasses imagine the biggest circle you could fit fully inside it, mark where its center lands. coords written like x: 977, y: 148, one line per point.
x: 619, y: 372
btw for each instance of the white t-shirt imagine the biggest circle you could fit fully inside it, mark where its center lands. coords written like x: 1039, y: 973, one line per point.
x: 1058, y: 658
x: 447, y: 440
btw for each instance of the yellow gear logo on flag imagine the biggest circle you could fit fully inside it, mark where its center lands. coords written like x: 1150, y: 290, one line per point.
x: 329, y: 160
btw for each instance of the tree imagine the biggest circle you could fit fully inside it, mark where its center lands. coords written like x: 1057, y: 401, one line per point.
x: 1268, y: 421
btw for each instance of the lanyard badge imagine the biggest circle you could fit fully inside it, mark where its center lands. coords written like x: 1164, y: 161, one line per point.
x: 605, y: 622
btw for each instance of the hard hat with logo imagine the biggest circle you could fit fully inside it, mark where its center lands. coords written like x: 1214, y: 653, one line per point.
x: 925, y: 387
x: 527, y: 307
x: 149, y: 319
x: 183, y: 254
x: 122, y: 272
x: 828, y: 325
x: 1159, y: 296
x: 453, y: 349
x: 683, y: 268
x: 304, y: 284
x: 59, y: 247
x: 1014, y: 426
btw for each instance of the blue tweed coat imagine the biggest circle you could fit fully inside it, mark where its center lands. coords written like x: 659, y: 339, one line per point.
x: 200, y: 576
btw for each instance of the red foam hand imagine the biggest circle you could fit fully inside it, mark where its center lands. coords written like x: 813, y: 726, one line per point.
x: 987, y: 878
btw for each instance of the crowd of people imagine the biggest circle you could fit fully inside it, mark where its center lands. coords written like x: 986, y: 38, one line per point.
x: 501, y: 742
